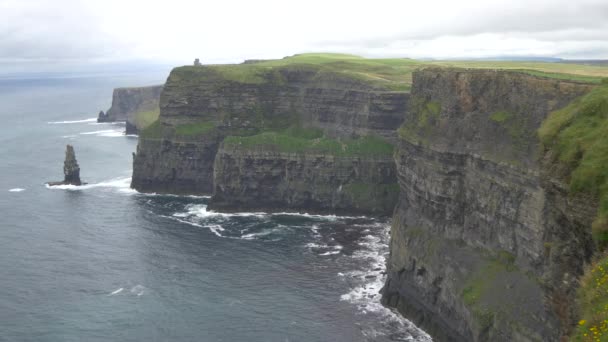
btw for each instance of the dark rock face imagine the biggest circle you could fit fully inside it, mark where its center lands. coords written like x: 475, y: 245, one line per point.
x: 102, y: 117
x: 486, y: 245
x: 128, y: 102
x: 262, y: 179
x: 71, y: 170
x: 342, y: 107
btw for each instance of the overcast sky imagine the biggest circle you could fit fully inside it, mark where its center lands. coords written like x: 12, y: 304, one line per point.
x: 69, y: 32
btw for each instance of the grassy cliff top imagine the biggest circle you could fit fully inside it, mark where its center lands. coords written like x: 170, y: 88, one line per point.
x: 382, y: 73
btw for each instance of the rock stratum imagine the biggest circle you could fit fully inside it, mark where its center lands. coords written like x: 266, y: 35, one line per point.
x: 486, y: 243
x: 137, y: 106
x: 284, y: 138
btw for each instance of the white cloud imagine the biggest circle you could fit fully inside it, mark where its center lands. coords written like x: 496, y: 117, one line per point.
x: 232, y: 30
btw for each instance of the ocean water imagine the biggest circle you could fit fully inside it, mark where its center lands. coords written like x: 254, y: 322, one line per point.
x: 102, y: 262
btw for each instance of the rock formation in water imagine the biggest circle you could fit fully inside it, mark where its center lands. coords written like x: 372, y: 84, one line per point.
x: 102, y: 117
x: 71, y: 170
x: 138, y: 106
x: 486, y: 245
x: 328, y: 171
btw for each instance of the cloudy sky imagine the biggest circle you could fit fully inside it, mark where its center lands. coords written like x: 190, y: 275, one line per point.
x: 47, y: 33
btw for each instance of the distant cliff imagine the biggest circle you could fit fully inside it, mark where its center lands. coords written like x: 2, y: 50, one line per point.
x: 138, y: 106
x: 271, y: 124
x: 486, y: 243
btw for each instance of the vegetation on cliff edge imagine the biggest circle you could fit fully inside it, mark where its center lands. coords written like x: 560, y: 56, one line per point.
x: 593, y: 302
x: 300, y: 140
x: 577, y: 138
x: 144, y: 119
x: 382, y: 73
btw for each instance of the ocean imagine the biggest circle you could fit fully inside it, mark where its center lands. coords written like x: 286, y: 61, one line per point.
x: 102, y: 262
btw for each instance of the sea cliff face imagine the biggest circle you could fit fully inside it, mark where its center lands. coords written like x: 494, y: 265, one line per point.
x: 486, y: 243
x: 138, y: 106
x: 263, y: 179
x: 298, y: 121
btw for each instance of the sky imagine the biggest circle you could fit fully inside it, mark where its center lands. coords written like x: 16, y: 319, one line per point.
x: 56, y: 34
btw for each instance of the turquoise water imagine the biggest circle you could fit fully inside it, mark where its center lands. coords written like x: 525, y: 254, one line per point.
x: 105, y: 263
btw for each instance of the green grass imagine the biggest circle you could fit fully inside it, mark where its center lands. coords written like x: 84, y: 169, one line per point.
x: 298, y: 140
x: 427, y: 114
x: 500, y: 116
x: 593, y: 303
x: 368, y: 194
x: 577, y: 136
x: 154, y: 131
x: 382, y: 73
x: 478, y: 285
x: 144, y: 119
x: 193, y: 129
x: 566, y: 71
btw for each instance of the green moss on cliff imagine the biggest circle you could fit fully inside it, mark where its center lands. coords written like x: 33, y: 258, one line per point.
x: 500, y: 116
x: 368, y: 195
x: 481, y: 289
x: 154, y: 131
x: 577, y: 137
x: 593, y: 301
x: 310, y: 141
x: 425, y: 115
x: 516, y: 126
x: 192, y: 129
x: 144, y: 119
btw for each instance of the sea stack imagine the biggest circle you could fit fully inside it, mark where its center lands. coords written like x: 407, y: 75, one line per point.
x: 103, y: 117
x: 71, y: 170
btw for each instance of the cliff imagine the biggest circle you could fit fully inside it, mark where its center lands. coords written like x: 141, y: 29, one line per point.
x: 206, y: 109
x: 138, y: 106
x: 487, y: 244
x: 250, y: 176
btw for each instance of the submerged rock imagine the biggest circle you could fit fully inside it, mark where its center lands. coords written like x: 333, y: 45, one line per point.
x: 71, y: 170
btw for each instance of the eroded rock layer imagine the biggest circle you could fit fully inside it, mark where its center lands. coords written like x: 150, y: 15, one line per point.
x: 486, y: 245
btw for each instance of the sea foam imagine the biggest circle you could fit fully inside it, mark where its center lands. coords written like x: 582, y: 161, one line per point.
x: 72, y: 121
x: 121, y: 184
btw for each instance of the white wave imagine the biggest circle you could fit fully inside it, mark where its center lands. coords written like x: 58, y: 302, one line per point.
x: 253, y: 236
x: 106, y: 133
x: 369, y: 281
x: 315, y: 245
x: 17, y: 190
x: 121, y: 184
x: 116, y: 291
x: 71, y: 137
x: 200, y: 210
x: 173, y: 195
x: 138, y: 290
x: 216, y: 229
x: 316, y: 216
x: 330, y: 253
x: 72, y: 121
